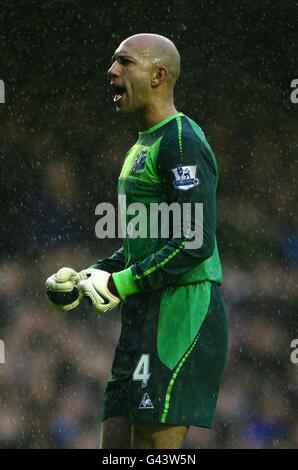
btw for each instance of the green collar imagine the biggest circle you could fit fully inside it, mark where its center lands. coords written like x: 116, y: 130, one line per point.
x: 160, y: 124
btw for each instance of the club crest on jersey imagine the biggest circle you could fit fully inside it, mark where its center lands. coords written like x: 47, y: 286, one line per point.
x: 139, y: 162
x: 185, y: 177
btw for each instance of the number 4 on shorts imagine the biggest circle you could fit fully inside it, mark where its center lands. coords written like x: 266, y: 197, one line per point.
x: 141, y: 371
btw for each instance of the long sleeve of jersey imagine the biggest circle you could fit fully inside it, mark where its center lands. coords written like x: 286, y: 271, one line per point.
x: 188, y: 170
x: 114, y: 263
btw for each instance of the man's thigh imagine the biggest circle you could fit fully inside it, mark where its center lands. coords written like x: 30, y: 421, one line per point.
x: 158, y: 436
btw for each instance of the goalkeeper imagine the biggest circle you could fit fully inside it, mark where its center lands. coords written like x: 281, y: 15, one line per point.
x: 172, y: 349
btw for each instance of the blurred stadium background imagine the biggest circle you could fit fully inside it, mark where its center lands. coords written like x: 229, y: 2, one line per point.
x: 61, y: 148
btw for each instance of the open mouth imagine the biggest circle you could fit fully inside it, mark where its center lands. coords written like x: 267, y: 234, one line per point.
x: 118, y: 92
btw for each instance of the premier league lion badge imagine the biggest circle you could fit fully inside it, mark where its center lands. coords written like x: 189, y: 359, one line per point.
x: 185, y: 177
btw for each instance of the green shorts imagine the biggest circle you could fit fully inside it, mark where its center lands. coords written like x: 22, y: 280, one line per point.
x: 170, y: 357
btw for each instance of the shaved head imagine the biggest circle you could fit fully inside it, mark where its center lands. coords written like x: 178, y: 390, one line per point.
x: 144, y: 70
x: 158, y: 51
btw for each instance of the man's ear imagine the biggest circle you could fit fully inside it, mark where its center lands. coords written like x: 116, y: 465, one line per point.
x: 160, y: 75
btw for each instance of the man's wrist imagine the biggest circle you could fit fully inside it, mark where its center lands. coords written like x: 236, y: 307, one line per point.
x: 112, y: 288
x: 124, y: 283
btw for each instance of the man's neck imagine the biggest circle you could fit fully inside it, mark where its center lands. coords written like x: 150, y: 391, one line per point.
x: 154, y: 115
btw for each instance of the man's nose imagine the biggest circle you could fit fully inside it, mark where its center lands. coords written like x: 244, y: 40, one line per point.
x: 114, y: 70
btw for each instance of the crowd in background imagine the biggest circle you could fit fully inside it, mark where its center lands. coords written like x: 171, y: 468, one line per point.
x: 62, y: 148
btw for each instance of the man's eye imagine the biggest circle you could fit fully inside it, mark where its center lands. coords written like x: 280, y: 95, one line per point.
x: 123, y: 61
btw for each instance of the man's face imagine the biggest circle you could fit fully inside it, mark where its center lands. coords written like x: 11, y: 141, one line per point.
x: 130, y: 76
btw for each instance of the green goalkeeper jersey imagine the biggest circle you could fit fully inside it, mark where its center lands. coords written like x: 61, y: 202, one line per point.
x: 170, y: 163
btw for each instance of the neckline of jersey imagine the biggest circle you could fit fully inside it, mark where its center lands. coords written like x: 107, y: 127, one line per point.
x: 160, y: 124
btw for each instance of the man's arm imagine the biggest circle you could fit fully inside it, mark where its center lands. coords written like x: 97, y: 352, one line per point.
x: 114, y: 263
x: 166, y: 265
x: 175, y: 258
